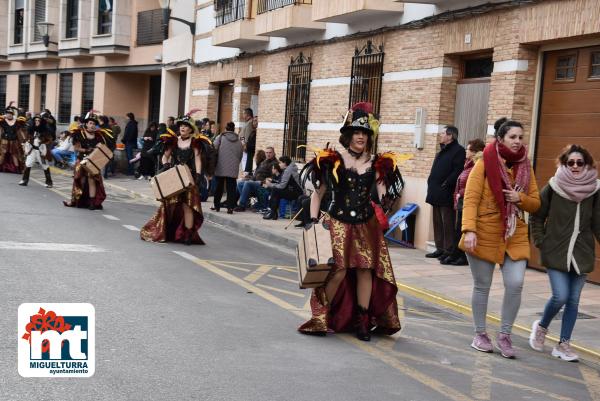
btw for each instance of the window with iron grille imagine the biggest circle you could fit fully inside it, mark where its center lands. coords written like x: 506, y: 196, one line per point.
x: 19, y: 17
x: 3, y: 90
x: 565, y: 67
x: 43, y: 80
x: 23, y: 99
x: 105, y: 11
x: 227, y: 11
x: 296, y: 107
x: 149, y: 28
x: 65, y: 92
x: 595, y: 67
x: 269, y: 5
x: 39, y: 15
x: 72, y: 18
x: 366, y: 78
x: 87, y: 93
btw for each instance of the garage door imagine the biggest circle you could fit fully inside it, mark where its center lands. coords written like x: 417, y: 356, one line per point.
x: 569, y: 112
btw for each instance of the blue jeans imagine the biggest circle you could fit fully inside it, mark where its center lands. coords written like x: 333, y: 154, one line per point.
x: 60, y: 155
x: 566, y: 289
x: 129, y: 148
x: 246, y: 189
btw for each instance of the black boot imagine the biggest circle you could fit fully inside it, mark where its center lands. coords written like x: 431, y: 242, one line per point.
x: 25, y: 180
x: 273, y: 215
x: 188, y: 235
x: 362, y: 324
x: 48, y: 178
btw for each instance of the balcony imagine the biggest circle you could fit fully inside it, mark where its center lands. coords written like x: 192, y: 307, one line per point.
x: 353, y: 11
x: 233, y: 26
x: 286, y: 18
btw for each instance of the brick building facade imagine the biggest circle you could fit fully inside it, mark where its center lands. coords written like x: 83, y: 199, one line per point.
x: 425, y: 63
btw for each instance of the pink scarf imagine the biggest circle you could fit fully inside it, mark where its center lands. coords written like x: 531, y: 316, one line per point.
x: 577, y: 188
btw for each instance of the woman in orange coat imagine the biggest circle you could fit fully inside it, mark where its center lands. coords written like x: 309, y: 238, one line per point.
x: 499, y: 189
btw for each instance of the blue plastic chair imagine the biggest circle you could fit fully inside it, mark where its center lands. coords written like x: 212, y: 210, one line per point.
x: 398, y: 220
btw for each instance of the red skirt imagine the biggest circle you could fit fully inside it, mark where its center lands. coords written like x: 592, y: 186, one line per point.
x: 80, y: 193
x: 8, y: 149
x: 358, y: 246
x: 168, y: 223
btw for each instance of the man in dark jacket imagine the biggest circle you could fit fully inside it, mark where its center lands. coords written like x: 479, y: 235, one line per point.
x: 130, y: 140
x: 447, y: 166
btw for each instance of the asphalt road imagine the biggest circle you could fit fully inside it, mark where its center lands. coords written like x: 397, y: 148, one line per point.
x: 218, y: 322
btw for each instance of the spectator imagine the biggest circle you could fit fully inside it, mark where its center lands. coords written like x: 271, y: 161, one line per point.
x: 116, y: 129
x: 248, y: 188
x: 473, y: 153
x: 287, y: 188
x: 130, y: 140
x: 50, y: 123
x: 566, y: 229
x: 248, y: 138
x: 64, y: 151
x: 229, y: 148
x: 171, y: 124
x: 147, y: 161
x: 447, y: 166
x: 213, y: 128
x: 74, y: 124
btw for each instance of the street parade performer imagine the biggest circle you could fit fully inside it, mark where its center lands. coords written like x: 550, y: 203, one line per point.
x: 37, y: 150
x: 360, y: 291
x: 88, y: 190
x: 11, y: 151
x: 179, y: 218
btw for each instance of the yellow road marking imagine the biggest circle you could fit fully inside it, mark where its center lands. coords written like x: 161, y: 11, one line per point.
x: 258, y: 273
x: 401, y: 311
x: 242, y: 269
x: 268, y: 287
x: 592, y: 381
x: 481, y: 383
x: 287, y: 269
x: 62, y: 194
x: 288, y: 280
x: 388, y: 344
x: 249, y: 264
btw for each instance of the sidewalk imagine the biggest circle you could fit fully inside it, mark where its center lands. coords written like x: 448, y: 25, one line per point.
x: 426, y: 279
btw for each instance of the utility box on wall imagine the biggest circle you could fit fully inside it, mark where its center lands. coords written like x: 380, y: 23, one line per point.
x: 420, y: 120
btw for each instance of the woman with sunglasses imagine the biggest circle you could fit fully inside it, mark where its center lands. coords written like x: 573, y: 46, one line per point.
x: 564, y: 229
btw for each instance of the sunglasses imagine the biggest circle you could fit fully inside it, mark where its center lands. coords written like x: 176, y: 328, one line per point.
x: 579, y: 163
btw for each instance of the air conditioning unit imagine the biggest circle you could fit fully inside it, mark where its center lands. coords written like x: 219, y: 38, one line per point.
x: 420, y: 120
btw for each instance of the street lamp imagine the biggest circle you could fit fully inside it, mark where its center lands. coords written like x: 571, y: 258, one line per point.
x: 166, y: 7
x: 45, y: 29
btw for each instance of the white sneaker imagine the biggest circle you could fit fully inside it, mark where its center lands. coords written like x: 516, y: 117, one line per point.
x: 537, y: 336
x: 563, y: 351
x: 141, y: 177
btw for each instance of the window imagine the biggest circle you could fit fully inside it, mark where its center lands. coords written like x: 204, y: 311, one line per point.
x: 595, y: 67
x: 3, y: 90
x: 19, y: 17
x: 478, y: 68
x: 227, y: 11
x: 296, y: 107
x: 105, y: 10
x: 565, y: 67
x: 39, y: 15
x: 72, y: 18
x: 149, y: 27
x: 367, y: 73
x: 64, y: 97
x: 43, y: 79
x: 87, y: 94
x: 23, y: 100
x: 268, y: 5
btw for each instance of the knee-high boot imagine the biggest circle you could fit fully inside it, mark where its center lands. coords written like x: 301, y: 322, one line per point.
x: 25, y: 180
x: 48, y: 178
x: 363, y: 331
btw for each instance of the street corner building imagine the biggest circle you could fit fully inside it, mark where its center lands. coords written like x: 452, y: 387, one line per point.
x: 299, y: 64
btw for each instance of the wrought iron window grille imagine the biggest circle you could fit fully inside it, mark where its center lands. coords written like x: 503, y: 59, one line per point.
x: 296, y: 107
x: 270, y: 5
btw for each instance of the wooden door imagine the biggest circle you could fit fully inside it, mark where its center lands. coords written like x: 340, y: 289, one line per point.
x: 569, y: 113
x: 225, y: 105
x: 470, y: 116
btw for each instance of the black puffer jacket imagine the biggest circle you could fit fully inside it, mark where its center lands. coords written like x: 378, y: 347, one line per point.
x: 447, y: 166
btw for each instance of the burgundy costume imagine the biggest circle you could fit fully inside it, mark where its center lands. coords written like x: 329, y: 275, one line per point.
x: 10, y: 146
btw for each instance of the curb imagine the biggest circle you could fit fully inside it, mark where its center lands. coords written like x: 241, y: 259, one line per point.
x: 432, y: 297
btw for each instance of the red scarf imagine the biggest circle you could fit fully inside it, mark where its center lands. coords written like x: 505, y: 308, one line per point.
x: 495, y: 158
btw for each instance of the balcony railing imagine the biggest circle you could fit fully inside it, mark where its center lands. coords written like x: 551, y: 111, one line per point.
x: 269, y: 5
x: 227, y: 11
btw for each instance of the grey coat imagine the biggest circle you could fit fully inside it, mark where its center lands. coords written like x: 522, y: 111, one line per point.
x: 230, y: 152
x: 564, y: 230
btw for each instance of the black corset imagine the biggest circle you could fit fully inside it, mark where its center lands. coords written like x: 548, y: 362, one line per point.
x: 353, y: 197
x: 88, y: 144
x: 9, y: 132
x: 185, y: 156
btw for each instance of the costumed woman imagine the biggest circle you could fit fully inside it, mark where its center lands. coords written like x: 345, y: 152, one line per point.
x: 37, y: 150
x: 11, y: 151
x: 180, y: 217
x: 360, y: 292
x: 88, y: 190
